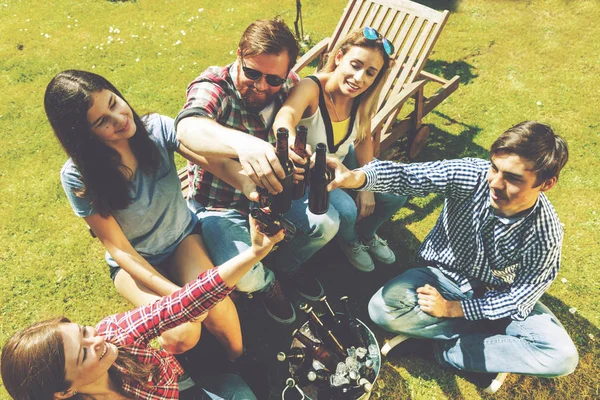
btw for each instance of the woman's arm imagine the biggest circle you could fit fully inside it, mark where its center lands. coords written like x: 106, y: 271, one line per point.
x: 118, y: 246
x: 303, y: 101
x: 193, y: 299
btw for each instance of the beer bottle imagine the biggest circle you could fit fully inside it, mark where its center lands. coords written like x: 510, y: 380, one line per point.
x: 318, y: 376
x: 295, y: 356
x: 282, y: 201
x: 318, y: 196
x: 355, y: 328
x: 317, y: 350
x: 300, y: 149
x: 323, y: 332
x: 334, y: 322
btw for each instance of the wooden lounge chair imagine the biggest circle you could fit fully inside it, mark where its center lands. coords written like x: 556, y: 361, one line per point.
x: 413, y: 29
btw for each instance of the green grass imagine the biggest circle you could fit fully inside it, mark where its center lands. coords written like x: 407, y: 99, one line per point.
x: 517, y: 60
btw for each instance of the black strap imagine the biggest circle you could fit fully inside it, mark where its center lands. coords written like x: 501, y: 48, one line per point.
x: 331, y: 146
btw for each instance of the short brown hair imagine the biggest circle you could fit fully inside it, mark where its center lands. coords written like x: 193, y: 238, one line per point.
x: 269, y: 36
x: 537, y: 143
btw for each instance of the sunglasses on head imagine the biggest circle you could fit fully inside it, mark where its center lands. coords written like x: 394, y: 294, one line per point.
x: 372, y: 34
x: 252, y: 74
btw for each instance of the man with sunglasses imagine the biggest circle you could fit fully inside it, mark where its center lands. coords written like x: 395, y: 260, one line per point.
x: 229, y: 113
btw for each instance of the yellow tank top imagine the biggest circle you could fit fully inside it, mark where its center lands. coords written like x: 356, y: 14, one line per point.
x: 340, y: 129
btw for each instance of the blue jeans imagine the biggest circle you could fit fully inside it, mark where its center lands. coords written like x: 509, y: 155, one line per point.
x: 386, y: 205
x: 226, y: 234
x: 219, y: 387
x: 539, y: 345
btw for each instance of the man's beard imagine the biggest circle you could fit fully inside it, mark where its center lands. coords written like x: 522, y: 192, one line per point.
x: 255, y: 101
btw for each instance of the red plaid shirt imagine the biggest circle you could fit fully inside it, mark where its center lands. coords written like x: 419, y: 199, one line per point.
x: 214, y: 95
x: 134, y: 329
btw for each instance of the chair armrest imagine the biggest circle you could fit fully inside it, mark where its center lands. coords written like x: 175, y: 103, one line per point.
x: 313, y: 53
x: 395, y: 102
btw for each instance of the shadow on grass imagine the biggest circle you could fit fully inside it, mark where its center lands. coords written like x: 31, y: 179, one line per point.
x: 440, y: 5
x: 447, y: 70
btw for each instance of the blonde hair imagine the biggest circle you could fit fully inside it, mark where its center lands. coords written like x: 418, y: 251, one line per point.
x: 369, y: 99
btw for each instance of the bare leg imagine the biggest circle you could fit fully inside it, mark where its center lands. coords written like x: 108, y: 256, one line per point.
x: 176, y: 340
x: 189, y: 260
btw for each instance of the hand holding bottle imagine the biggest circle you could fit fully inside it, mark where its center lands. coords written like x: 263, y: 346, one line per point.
x: 344, y: 178
x: 261, y: 243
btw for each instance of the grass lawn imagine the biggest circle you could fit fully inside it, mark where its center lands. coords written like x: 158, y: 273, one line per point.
x: 517, y: 60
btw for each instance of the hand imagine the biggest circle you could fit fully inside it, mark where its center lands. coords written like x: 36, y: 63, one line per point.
x: 365, y: 203
x: 298, y: 160
x: 432, y: 303
x: 261, y: 243
x: 249, y: 190
x: 344, y: 178
x: 262, y: 165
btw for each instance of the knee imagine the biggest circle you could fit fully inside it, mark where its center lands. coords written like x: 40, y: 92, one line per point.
x: 255, y: 280
x: 325, y: 227
x: 564, y: 359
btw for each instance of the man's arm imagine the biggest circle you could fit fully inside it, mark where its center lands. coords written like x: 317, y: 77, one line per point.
x: 536, y: 271
x: 206, y: 137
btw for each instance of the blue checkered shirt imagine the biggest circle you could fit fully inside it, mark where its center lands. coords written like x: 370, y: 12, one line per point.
x: 515, y: 259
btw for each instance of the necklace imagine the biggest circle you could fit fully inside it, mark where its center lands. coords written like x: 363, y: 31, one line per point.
x: 333, y: 104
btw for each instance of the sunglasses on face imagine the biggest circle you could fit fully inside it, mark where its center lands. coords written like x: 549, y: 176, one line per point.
x: 372, y: 34
x: 252, y: 74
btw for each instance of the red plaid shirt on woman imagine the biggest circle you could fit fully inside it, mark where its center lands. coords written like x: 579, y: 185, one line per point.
x: 214, y: 95
x: 131, y: 331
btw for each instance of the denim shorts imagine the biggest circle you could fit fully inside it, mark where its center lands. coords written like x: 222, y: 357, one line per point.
x: 160, y: 267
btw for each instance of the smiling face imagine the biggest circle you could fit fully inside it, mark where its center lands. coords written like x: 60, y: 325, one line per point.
x: 110, y: 118
x: 356, y: 70
x: 87, y: 355
x: 512, y: 180
x: 257, y: 94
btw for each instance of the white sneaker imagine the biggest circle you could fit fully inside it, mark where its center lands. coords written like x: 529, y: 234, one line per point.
x: 379, y: 249
x: 496, y: 383
x: 358, y: 256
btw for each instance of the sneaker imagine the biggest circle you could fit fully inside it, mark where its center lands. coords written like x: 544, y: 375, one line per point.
x: 379, y: 249
x: 277, y: 305
x: 307, y: 286
x: 358, y: 256
x: 489, y: 382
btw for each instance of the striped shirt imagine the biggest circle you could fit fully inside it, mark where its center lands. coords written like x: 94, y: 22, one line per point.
x: 214, y: 95
x: 515, y: 258
x: 131, y: 331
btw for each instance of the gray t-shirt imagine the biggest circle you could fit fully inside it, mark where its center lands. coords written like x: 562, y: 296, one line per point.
x: 158, y: 218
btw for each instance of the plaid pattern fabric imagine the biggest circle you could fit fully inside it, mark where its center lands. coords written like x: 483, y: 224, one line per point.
x: 132, y: 331
x: 214, y: 95
x: 516, y: 259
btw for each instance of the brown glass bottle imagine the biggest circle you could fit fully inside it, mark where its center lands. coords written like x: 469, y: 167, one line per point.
x: 355, y: 328
x: 295, y: 356
x: 324, y: 333
x: 334, y: 322
x: 300, y: 149
x: 282, y: 201
x: 318, y: 196
x: 317, y: 350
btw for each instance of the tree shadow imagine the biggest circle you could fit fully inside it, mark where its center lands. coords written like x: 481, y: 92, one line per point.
x: 440, y: 5
x: 449, y: 69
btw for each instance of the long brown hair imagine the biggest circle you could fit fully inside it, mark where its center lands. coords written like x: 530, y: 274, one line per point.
x: 33, y: 363
x: 368, y: 99
x: 67, y: 100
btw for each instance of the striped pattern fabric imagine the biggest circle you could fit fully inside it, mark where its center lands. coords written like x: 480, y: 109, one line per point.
x: 515, y: 259
x: 214, y: 95
x: 132, y: 331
